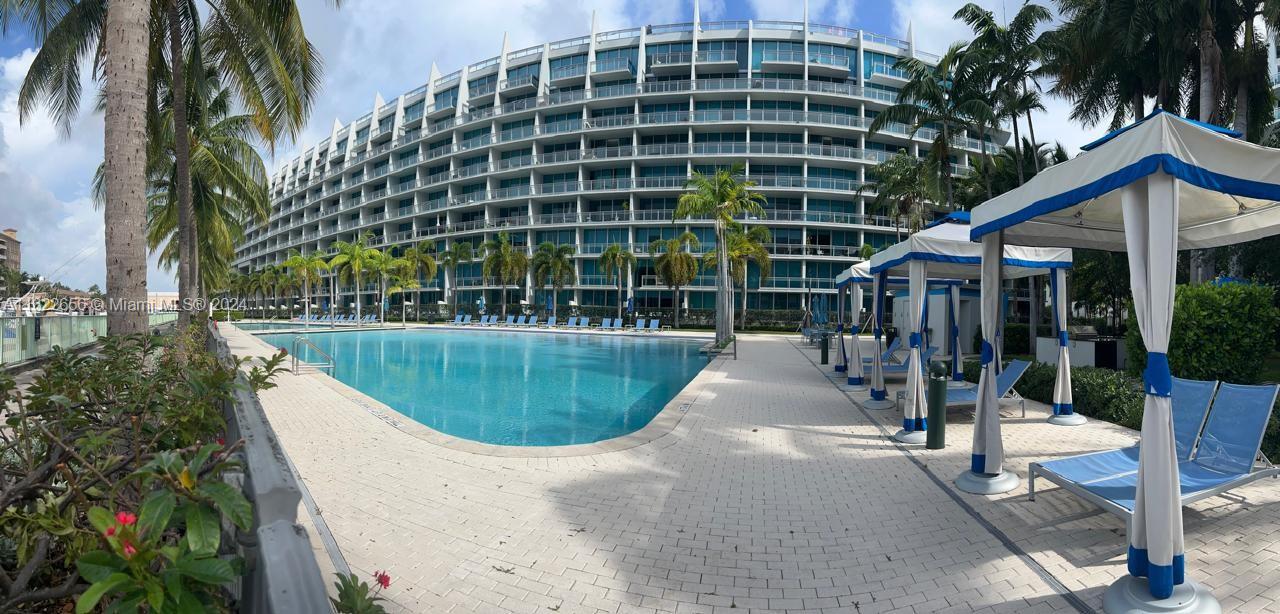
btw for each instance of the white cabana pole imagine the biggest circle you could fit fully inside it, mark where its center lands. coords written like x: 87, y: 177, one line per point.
x: 1150, y: 211
x: 1063, y: 413
x: 915, y: 411
x: 957, y: 357
x: 879, y: 396
x: 842, y: 361
x: 986, y: 474
x: 855, y: 365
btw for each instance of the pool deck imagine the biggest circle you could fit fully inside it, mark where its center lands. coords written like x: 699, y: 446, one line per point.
x: 774, y: 492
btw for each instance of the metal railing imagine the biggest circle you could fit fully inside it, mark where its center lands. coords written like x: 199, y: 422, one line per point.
x: 23, y: 338
x: 302, y: 340
x: 280, y: 573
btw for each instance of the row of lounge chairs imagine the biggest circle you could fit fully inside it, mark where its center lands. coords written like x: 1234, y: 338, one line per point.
x: 351, y: 319
x: 1217, y: 431
x: 574, y: 322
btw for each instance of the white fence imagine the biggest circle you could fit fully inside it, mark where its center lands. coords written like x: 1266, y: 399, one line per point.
x: 26, y: 337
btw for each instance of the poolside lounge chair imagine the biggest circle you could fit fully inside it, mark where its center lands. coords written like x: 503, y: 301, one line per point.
x: 550, y: 323
x: 520, y: 321
x: 457, y: 319
x: 533, y: 322
x: 573, y: 321
x: 606, y: 323
x: 584, y: 322
x: 466, y: 319
x: 639, y: 325
x: 890, y: 354
x: 901, y: 369
x: 1225, y: 455
x: 959, y: 398
x: 617, y: 324
x: 653, y: 326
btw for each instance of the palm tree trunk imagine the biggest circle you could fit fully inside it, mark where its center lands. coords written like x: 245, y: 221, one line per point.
x: 743, y: 323
x: 1139, y: 106
x: 306, y: 296
x: 1208, y: 65
x: 125, y: 138
x: 1031, y: 130
x: 333, y: 297
x: 357, y: 297
x: 675, y: 308
x: 619, y: 269
x: 182, y: 166
x: 1242, y: 90
x: 724, y: 290
x: 1017, y: 148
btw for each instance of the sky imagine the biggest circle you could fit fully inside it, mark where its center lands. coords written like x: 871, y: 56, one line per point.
x: 387, y: 47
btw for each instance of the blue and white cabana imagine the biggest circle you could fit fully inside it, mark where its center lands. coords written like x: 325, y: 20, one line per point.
x: 1161, y: 185
x: 852, y: 281
x: 944, y: 251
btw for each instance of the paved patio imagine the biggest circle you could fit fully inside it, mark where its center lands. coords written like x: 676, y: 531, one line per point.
x: 774, y: 492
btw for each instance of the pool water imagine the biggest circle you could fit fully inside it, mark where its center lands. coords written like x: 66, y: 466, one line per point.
x: 512, y: 388
x: 252, y: 326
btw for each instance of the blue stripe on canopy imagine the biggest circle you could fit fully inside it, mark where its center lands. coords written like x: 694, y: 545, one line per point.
x: 1115, y: 133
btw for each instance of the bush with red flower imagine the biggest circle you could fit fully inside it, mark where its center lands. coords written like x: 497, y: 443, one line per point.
x: 355, y: 596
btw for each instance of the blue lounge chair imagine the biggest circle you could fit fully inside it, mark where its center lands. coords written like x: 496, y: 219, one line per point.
x: 1225, y: 455
x: 550, y: 323
x: 617, y: 324
x: 466, y: 319
x: 639, y: 326
x: 901, y: 369
x: 653, y: 326
x: 605, y: 323
x: 457, y: 319
x: 890, y: 354
x: 509, y: 321
x: 584, y: 322
x: 533, y: 322
x: 573, y: 321
x: 520, y: 321
x: 1005, y: 380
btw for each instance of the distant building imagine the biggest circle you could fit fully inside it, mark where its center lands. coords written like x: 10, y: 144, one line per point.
x: 1273, y: 65
x: 162, y: 301
x: 10, y: 252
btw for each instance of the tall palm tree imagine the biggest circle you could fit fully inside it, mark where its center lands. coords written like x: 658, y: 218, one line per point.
x: 943, y: 98
x: 722, y: 196
x: 458, y: 253
x: 422, y: 259
x: 745, y: 246
x: 553, y: 263
x: 504, y: 264
x: 350, y: 261
x: 616, y: 261
x: 387, y: 266
x: 676, y: 266
x: 904, y: 185
x: 261, y: 46
x: 306, y: 268
x: 269, y: 284
x: 402, y: 281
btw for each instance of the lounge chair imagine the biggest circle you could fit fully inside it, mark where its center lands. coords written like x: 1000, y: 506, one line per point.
x: 639, y: 325
x: 466, y: 319
x: 573, y: 321
x: 890, y: 354
x: 959, y: 398
x: 533, y: 322
x: 604, y: 324
x: 550, y: 323
x: 509, y: 321
x: 653, y: 326
x: 457, y: 319
x: 901, y: 369
x: 520, y: 321
x: 617, y: 324
x: 584, y: 322
x: 1225, y: 455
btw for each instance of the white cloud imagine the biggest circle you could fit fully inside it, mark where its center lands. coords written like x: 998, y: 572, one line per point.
x: 933, y: 29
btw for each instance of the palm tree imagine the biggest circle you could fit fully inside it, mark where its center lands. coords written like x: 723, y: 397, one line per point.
x: 1002, y: 173
x: 387, y: 265
x: 350, y: 261
x: 459, y: 253
x: 306, y: 269
x: 402, y: 281
x: 269, y: 284
x: 903, y: 185
x: 422, y: 259
x: 616, y: 260
x: 553, y: 263
x: 261, y: 46
x: 505, y: 264
x: 722, y: 196
x: 942, y: 96
x: 866, y: 251
x: 676, y: 267
x: 744, y: 247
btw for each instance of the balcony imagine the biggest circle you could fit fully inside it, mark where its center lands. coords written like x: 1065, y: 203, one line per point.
x: 520, y: 85
x: 772, y: 60
x: 717, y: 60
x: 485, y: 89
x: 442, y: 108
x: 828, y: 64
x: 615, y: 68
x: 566, y: 74
x: 888, y: 75
x: 670, y: 63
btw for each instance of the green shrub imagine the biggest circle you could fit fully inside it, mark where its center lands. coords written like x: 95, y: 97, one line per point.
x: 1219, y: 333
x: 223, y: 315
x: 1095, y: 392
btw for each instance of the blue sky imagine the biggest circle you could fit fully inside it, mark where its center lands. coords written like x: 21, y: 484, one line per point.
x: 386, y: 47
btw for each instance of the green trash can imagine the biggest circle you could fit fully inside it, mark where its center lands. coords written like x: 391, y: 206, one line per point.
x: 824, y: 341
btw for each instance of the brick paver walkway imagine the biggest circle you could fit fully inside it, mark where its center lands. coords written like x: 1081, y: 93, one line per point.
x: 775, y: 493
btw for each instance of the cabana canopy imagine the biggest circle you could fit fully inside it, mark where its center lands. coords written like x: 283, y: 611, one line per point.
x: 1232, y: 185
x: 950, y: 254
x: 1159, y: 186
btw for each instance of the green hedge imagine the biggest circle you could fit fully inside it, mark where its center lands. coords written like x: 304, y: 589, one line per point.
x: 1220, y: 333
x: 1015, y: 337
x: 1104, y: 394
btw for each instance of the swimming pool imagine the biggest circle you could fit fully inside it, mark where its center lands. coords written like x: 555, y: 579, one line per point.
x: 252, y: 326
x: 513, y: 388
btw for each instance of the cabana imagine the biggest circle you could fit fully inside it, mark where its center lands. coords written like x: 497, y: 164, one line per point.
x: 944, y: 251
x: 1151, y: 189
x: 851, y: 281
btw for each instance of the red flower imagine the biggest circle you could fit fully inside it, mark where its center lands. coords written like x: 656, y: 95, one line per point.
x: 129, y: 550
x: 382, y: 578
x: 284, y: 352
x: 221, y: 441
x: 110, y: 531
x: 126, y: 518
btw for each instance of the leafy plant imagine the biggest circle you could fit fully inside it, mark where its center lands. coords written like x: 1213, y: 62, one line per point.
x: 356, y: 596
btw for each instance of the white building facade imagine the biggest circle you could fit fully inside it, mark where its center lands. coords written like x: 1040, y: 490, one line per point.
x: 590, y: 141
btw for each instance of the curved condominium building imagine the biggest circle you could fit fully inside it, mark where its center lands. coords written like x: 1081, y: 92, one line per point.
x: 589, y: 142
